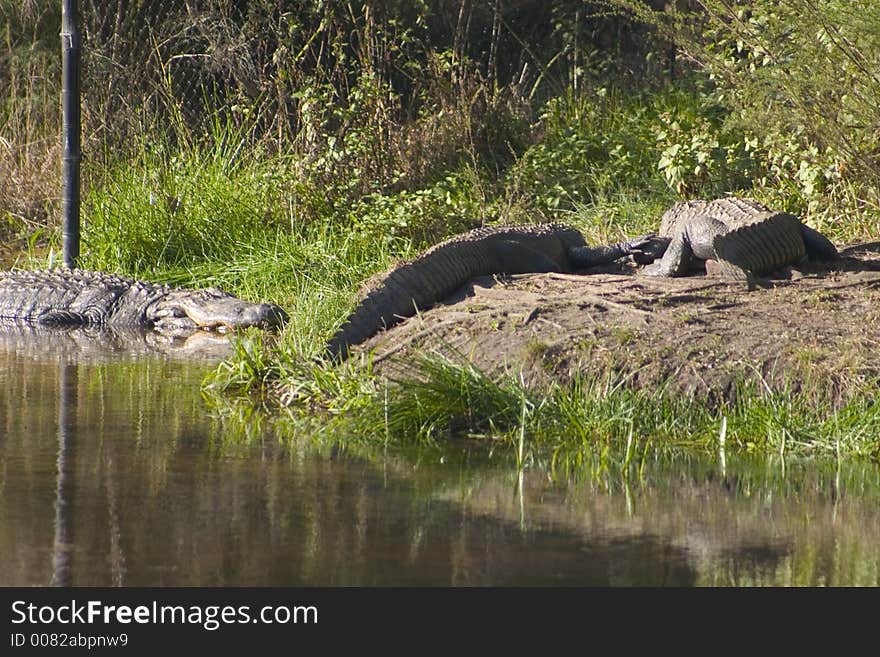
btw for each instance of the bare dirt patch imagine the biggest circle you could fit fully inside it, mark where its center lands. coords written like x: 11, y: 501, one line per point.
x: 697, y: 335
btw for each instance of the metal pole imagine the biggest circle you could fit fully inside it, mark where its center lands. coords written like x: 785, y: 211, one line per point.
x: 70, y: 131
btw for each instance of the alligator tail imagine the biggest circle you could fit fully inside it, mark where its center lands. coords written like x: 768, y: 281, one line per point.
x: 408, y: 288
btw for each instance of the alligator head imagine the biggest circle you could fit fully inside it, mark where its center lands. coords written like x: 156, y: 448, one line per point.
x: 181, y: 310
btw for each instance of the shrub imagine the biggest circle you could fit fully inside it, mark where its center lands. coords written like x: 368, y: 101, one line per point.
x: 801, y: 82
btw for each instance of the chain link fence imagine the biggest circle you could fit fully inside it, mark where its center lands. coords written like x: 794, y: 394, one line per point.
x: 172, y: 63
x: 156, y: 62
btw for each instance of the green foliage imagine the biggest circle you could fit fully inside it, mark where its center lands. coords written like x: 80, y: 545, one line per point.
x: 607, y: 143
x: 801, y: 83
x: 373, y: 102
x: 29, y: 116
x: 815, y: 66
x: 592, y: 143
x: 699, y: 157
x: 448, y: 206
x: 343, y: 146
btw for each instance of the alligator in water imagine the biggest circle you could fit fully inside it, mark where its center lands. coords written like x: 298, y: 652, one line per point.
x: 746, y: 238
x: 437, y: 273
x: 78, y: 298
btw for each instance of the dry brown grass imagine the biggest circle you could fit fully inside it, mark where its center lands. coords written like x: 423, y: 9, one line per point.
x: 30, y: 149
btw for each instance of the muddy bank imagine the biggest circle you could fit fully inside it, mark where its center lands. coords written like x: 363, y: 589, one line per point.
x: 697, y: 335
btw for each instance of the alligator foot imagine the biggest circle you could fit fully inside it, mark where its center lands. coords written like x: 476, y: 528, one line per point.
x: 655, y: 269
x: 647, y: 248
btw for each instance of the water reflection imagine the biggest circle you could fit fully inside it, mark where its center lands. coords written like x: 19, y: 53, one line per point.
x: 47, y: 346
x: 68, y: 375
x: 113, y: 472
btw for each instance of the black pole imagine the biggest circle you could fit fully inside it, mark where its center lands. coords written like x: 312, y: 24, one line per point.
x: 70, y: 131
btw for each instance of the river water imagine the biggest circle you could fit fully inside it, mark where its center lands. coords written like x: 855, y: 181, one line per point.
x: 115, y: 471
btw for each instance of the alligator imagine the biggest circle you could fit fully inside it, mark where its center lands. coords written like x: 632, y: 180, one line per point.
x: 744, y: 237
x: 434, y: 275
x: 79, y: 298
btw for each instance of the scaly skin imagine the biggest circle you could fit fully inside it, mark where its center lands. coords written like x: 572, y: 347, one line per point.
x: 746, y: 238
x: 444, y: 268
x: 76, y: 297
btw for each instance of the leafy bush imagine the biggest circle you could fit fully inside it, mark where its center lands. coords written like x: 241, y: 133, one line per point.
x: 448, y: 206
x: 605, y: 143
x: 801, y: 82
x: 698, y: 155
x: 590, y: 142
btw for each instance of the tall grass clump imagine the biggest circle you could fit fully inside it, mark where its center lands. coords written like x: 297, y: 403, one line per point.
x: 30, y: 144
x: 436, y: 399
x: 173, y: 208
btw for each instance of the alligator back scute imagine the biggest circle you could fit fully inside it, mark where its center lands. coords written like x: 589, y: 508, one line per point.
x: 65, y: 296
x: 671, y: 219
x: 736, y: 211
x: 731, y: 211
x: 80, y: 298
x: 28, y: 296
x: 767, y: 241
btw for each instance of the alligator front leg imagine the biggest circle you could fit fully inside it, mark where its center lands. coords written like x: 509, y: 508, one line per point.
x: 692, y: 242
x: 644, y: 248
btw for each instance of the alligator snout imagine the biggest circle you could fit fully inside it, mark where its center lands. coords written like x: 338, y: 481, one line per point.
x: 237, y: 315
x: 263, y: 315
x: 214, y: 309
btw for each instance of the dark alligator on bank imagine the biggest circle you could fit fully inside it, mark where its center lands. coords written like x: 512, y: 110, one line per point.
x: 82, y: 298
x: 412, y: 286
x: 744, y: 237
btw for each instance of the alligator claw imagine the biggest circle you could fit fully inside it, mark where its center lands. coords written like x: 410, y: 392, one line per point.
x: 652, y: 270
x: 647, y: 248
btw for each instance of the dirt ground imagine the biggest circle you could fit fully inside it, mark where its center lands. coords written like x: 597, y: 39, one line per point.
x: 697, y: 334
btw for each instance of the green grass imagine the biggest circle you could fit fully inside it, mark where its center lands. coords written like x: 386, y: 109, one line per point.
x: 437, y: 399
